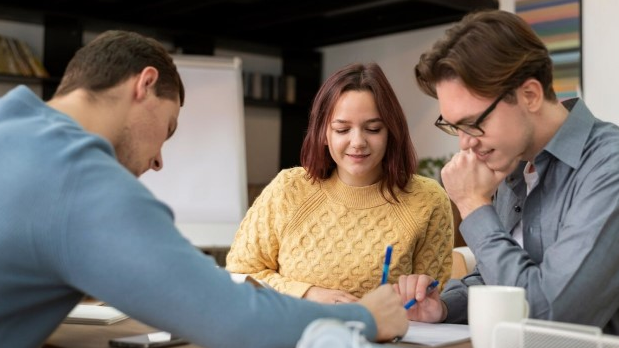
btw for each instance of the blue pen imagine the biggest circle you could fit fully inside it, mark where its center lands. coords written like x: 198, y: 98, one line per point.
x: 429, y: 289
x: 386, y: 265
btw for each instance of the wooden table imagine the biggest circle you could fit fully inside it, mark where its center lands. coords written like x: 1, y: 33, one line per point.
x: 97, y: 336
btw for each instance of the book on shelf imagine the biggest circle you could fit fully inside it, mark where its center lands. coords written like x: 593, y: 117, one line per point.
x: 7, y: 62
x: 21, y: 61
x: 16, y: 58
x: 277, y: 87
x: 256, y: 87
x: 267, y: 87
x: 35, y: 64
x: 262, y: 87
x: 290, y: 89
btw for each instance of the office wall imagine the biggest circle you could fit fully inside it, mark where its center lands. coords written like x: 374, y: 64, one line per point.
x: 600, y: 44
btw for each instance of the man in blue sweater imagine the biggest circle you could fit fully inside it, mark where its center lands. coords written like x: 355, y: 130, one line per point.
x: 75, y: 220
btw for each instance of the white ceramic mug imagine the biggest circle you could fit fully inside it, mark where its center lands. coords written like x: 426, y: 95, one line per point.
x: 491, y: 304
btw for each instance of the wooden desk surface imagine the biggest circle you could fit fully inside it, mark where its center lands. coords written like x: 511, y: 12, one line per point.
x: 97, y: 336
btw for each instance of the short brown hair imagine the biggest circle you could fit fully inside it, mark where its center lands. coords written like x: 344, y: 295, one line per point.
x: 492, y: 52
x: 116, y: 55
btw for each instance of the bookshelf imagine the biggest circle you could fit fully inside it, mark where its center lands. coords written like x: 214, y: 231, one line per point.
x: 28, y: 80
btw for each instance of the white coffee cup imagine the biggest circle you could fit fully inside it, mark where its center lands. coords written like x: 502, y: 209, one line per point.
x: 491, y: 304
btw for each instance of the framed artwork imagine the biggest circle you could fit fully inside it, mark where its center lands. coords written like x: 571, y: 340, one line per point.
x: 558, y: 24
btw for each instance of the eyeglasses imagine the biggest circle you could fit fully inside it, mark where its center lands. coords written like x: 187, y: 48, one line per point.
x: 471, y: 129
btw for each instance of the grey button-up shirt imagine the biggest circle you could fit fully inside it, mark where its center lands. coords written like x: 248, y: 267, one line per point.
x: 569, y: 262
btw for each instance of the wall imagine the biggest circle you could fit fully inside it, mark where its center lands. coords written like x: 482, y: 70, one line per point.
x: 600, y: 43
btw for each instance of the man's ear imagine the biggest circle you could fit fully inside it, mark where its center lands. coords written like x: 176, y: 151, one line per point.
x: 146, y: 81
x: 533, y: 94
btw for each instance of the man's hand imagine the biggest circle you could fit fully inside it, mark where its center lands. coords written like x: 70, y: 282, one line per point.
x: 330, y: 296
x: 429, y: 307
x: 388, y: 312
x: 469, y: 182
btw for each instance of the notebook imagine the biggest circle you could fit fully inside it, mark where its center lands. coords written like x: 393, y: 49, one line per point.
x: 94, y: 315
x: 436, y: 335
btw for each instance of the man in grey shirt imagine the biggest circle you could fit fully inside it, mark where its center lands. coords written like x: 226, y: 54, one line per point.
x: 536, y: 180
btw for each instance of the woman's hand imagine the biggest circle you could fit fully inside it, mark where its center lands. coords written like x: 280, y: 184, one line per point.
x: 429, y: 307
x: 329, y: 296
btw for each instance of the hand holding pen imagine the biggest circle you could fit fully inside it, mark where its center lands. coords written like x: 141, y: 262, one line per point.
x: 433, y: 285
x: 418, y: 295
x: 429, y: 289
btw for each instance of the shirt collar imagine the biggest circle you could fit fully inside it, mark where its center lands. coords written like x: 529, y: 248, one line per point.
x: 568, y: 143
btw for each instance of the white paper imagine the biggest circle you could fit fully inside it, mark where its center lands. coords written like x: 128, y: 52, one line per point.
x: 436, y: 335
x: 93, y: 314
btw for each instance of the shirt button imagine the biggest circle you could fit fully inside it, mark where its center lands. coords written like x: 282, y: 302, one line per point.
x: 517, y: 208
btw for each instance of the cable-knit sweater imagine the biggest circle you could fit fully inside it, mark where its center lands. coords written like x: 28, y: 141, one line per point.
x: 298, y: 234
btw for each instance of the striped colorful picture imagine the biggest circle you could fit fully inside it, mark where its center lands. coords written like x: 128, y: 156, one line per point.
x: 558, y: 24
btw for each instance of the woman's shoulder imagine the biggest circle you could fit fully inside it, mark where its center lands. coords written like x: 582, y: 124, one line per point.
x: 294, y: 172
x: 292, y: 176
x: 426, y: 183
x: 424, y: 186
x: 291, y: 180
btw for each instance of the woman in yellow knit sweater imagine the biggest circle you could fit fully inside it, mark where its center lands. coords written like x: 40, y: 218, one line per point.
x: 320, y: 231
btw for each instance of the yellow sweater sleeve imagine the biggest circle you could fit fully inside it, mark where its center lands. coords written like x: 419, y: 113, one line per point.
x: 255, y: 249
x: 433, y: 252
